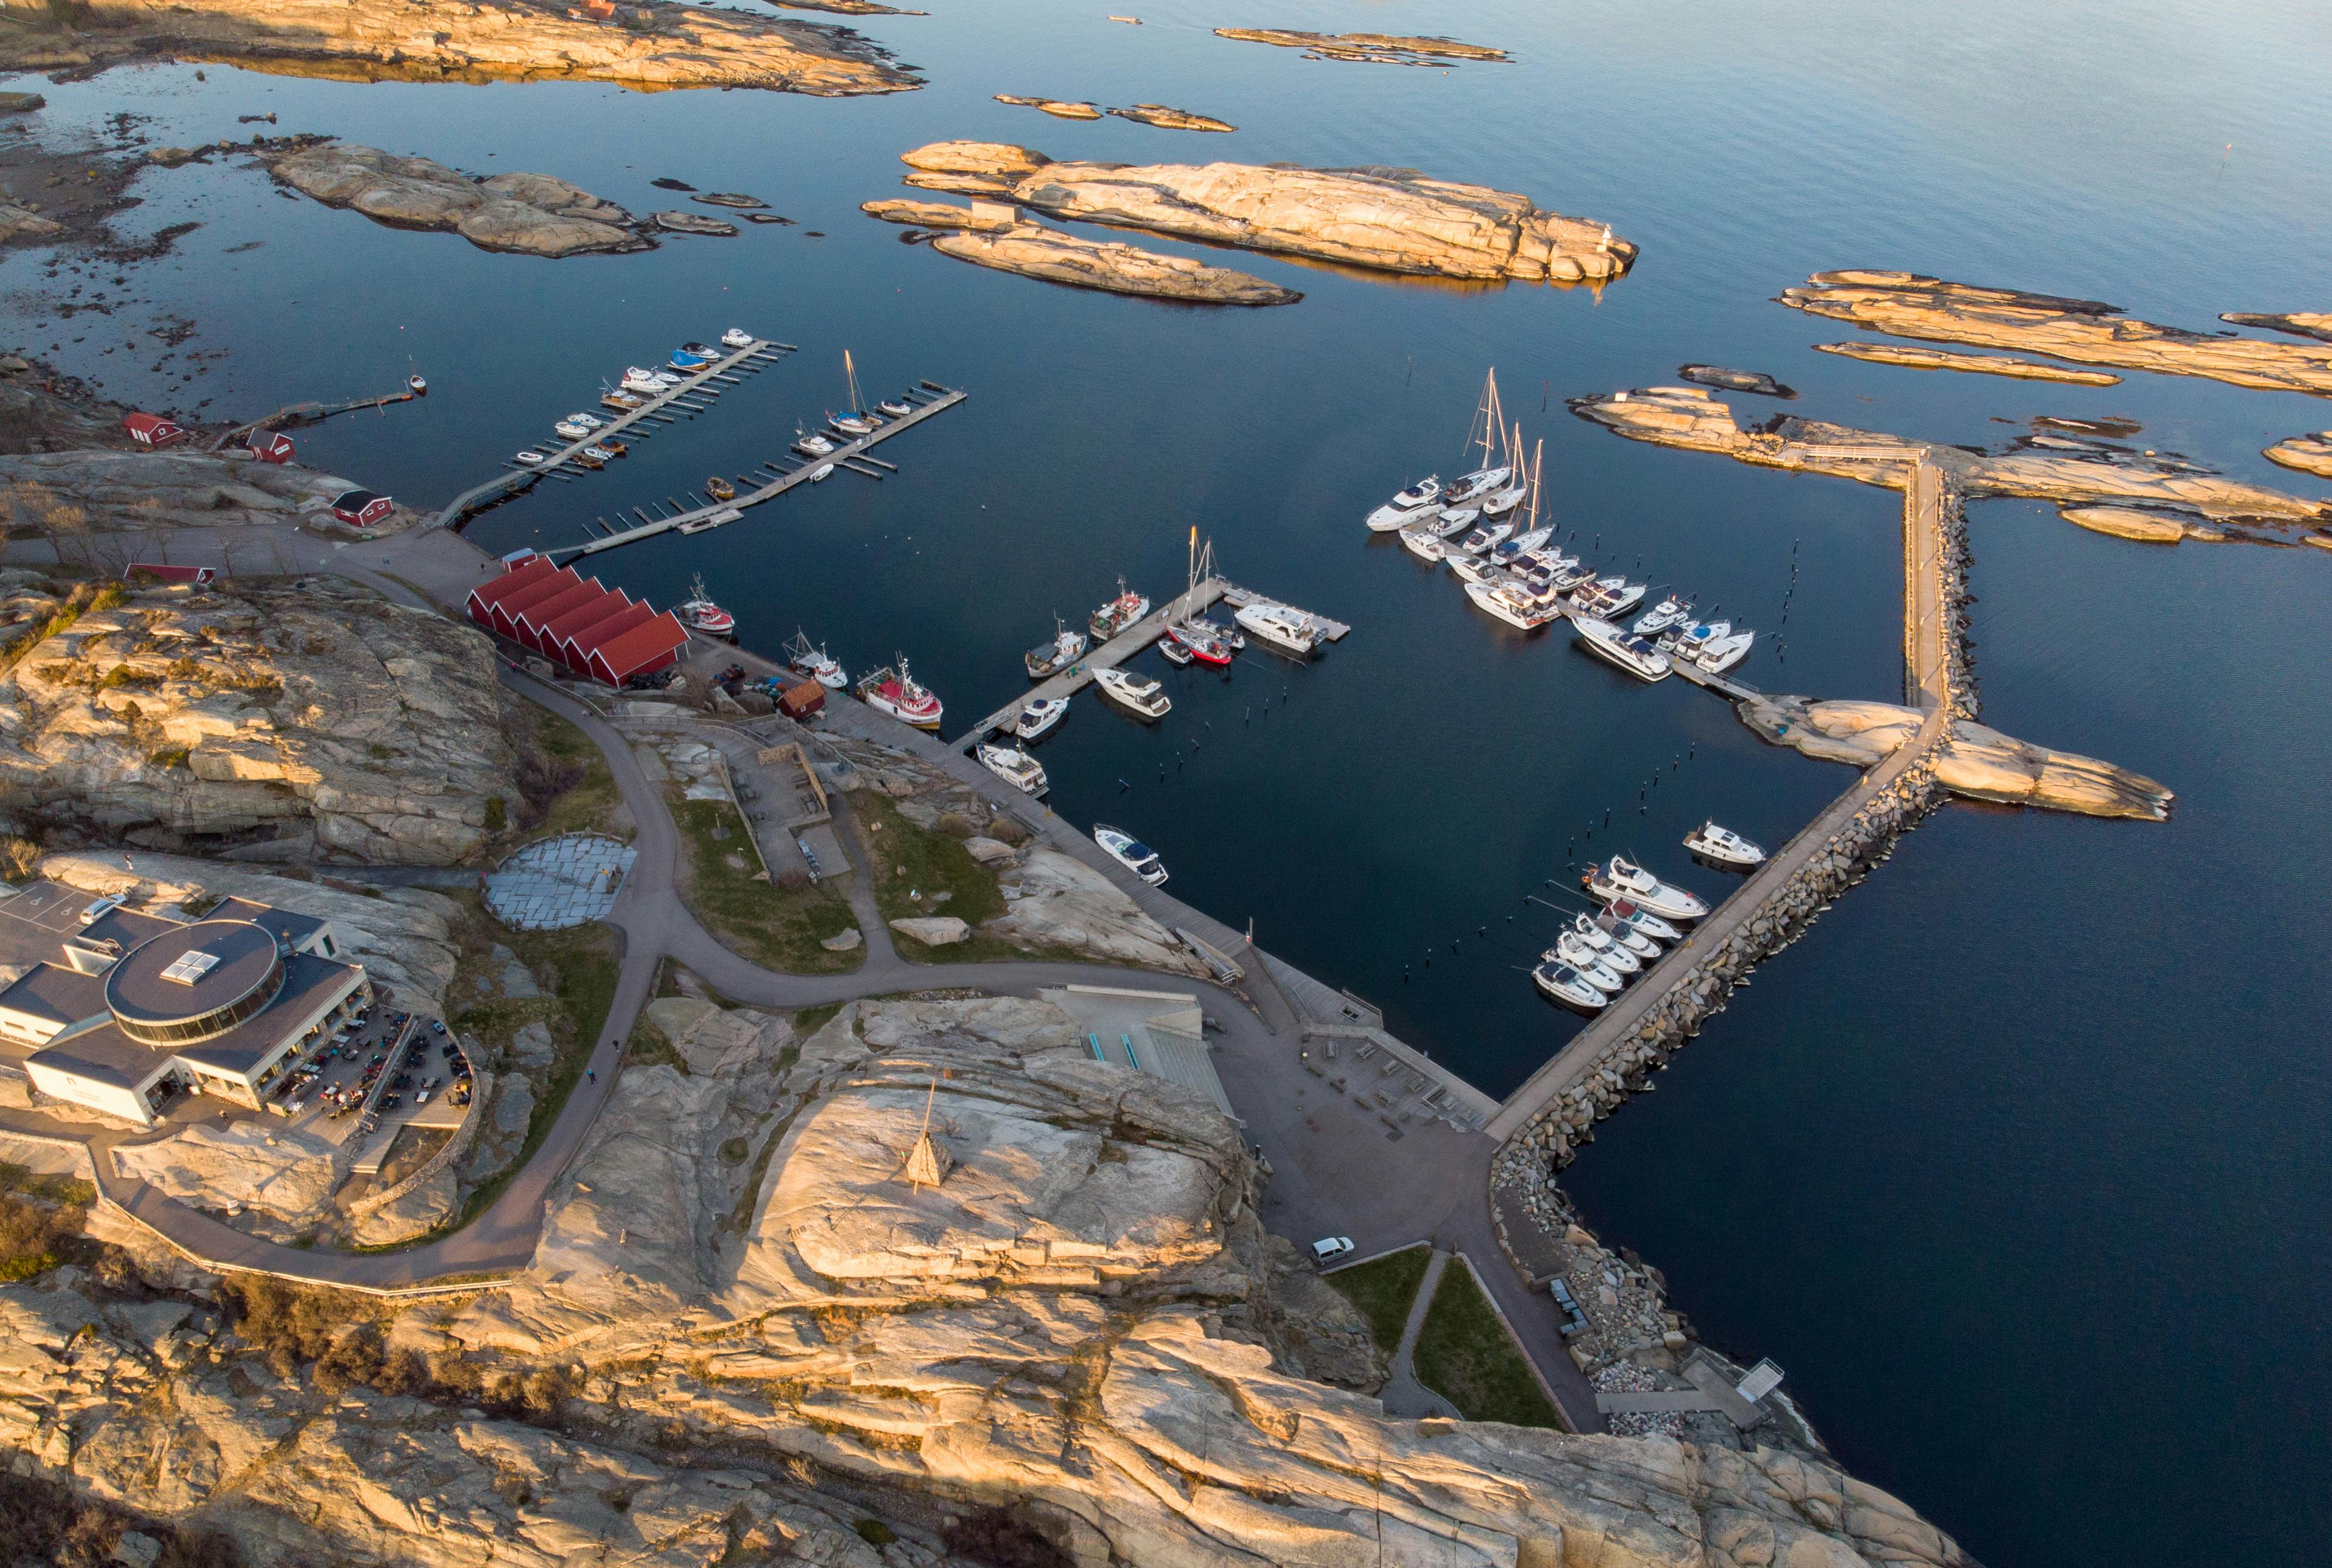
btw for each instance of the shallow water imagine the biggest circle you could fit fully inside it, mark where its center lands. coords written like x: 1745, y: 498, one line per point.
x: 2016, y: 1162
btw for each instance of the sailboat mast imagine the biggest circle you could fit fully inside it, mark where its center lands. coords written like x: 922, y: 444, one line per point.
x: 1494, y: 420
x: 850, y: 373
x: 1538, y: 461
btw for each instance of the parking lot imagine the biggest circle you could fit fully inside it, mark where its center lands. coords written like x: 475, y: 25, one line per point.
x: 337, y: 1091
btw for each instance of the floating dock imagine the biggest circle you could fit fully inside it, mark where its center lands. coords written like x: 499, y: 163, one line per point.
x: 928, y: 398
x: 560, y: 464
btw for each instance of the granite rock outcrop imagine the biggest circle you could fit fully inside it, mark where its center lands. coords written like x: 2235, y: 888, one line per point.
x: 1984, y: 364
x: 312, y: 716
x: 1391, y: 220
x: 1113, y: 266
x: 2307, y: 454
x: 1366, y: 48
x: 532, y: 214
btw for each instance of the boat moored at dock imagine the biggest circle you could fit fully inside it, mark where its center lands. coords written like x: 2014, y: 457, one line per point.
x: 1038, y: 715
x: 698, y: 613
x: 1281, y: 627
x: 1725, y: 847
x: 1591, y: 942
x: 1511, y: 604
x: 1568, y: 948
x: 1562, y: 984
x: 1201, y: 640
x: 1117, y: 614
x: 1050, y: 658
x: 1406, y: 507
x: 1721, y: 654
x: 898, y: 693
x: 1137, y: 694
x: 737, y: 337
x: 1631, y: 653
x: 1131, y: 853
x: 1642, y: 921
x: 805, y: 659
x: 1014, y: 767
x: 1621, y: 879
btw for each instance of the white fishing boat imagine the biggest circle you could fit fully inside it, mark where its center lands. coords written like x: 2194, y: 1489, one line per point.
x: 1403, y: 508
x: 698, y: 613
x: 572, y: 430
x: 1631, y: 653
x: 1282, y: 627
x: 1014, y: 767
x: 1050, y: 658
x: 1137, y: 694
x: 1642, y: 921
x: 1723, y: 846
x: 1568, y: 948
x: 737, y: 337
x: 1719, y: 654
x: 1487, y: 538
x: 1621, y: 879
x: 1039, y: 714
x: 1567, y: 985
x: 901, y: 695
x: 803, y: 659
x: 1131, y: 853
x: 1512, y: 604
x: 1117, y: 614
x: 814, y: 445
x: 1668, y: 612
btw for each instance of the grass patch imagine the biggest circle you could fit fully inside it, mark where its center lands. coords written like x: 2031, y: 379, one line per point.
x: 69, y: 1191
x: 936, y: 863
x: 1384, y: 1289
x: 1465, y: 1354
x: 648, y: 1047
x: 776, y: 926
x: 564, y: 779
x: 810, y: 1021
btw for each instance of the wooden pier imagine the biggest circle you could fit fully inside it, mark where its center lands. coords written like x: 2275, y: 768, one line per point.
x: 560, y: 464
x: 928, y: 398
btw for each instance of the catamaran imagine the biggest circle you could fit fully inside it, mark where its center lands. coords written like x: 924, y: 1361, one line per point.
x: 1633, y: 654
x: 1051, y: 658
x: 803, y: 659
x: 1131, y: 853
x: 901, y: 695
x: 1404, y: 508
x: 1014, y: 767
x: 1621, y: 879
x: 1138, y: 693
x: 1117, y: 614
x: 698, y: 613
x: 1723, y: 846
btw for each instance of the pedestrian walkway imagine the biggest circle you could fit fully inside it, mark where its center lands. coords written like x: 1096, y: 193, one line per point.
x: 556, y: 883
x: 1403, y: 1395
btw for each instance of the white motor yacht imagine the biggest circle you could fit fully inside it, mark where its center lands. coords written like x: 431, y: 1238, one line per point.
x: 1569, y: 573
x: 1174, y: 653
x: 1476, y: 568
x: 1699, y: 636
x: 1523, y: 544
x: 588, y: 421
x: 1613, y: 597
x: 1472, y: 487
x: 814, y: 445
x: 572, y: 430
x: 1633, y: 654
x: 1642, y: 921
x: 1603, y: 948
x: 1451, y: 521
x: 1281, y: 629
x: 1511, y: 603
x: 1621, y: 879
x: 1421, y: 542
x: 1038, y: 715
x: 1723, y: 846
x: 737, y: 337
x: 1487, y: 538
x: 1721, y: 654
x: 1567, y: 985
x: 1138, y: 693
x: 1403, y: 508
x: 894, y: 408
x: 1568, y: 948
x: 1131, y: 853
x: 638, y: 381
x: 1623, y: 935
x: 805, y: 659
x: 1668, y: 612
x: 1014, y: 767
x: 821, y: 473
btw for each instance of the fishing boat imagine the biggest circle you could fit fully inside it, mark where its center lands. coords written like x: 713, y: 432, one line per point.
x: 1631, y: 653
x: 1282, y: 627
x: 1723, y: 846
x: 1719, y: 654
x: 643, y: 381
x: 1014, y: 767
x: 1621, y: 879
x: 719, y: 489
x: 1039, y: 714
x: 803, y: 659
x: 698, y: 613
x: 1564, y: 984
x: 1511, y: 603
x: 598, y: 453
x: 1568, y: 948
x: 737, y: 337
x: 572, y: 430
x: 894, y: 408
x: 1051, y: 658
x: 814, y: 445
x: 901, y: 695
x: 821, y: 473
x: 1404, y: 508
x: 1137, y: 695
x: 1668, y: 612
x: 1642, y: 921
x: 1117, y: 614
x: 1131, y: 853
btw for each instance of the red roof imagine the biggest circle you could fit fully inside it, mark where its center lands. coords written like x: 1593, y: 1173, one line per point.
x: 647, y: 647
x: 506, y: 609
x: 539, y: 613
x: 486, y: 594
x: 611, y: 602
x: 574, y: 648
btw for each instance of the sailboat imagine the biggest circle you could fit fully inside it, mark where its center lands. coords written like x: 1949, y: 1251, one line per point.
x: 1498, y: 502
x: 1198, y: 638
x: 1488, y: 429
x: 854, y: 420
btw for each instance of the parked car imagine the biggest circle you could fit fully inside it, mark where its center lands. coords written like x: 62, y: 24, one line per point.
x: 422, y: 1098
x: 1330, y: 1247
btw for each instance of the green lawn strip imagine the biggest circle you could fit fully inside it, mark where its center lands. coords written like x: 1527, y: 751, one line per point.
x: 1383, y: 1289
x: 779, y: 927
x: 1465, y: 1354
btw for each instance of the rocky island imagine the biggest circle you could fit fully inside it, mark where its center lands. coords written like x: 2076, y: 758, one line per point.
x: 1166, y: 118
x: 1385, y: 219
x: 1039, y: 251
x: 2307, y: 454
x: 1983, y: 364
x: 1366, y: 48
x: 662, y: 45
x: 1057, y: 108
x: 534, y: 214
x: 1913, y: 305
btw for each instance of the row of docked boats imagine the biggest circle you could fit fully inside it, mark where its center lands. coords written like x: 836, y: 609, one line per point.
x: 634, y: 390
x: 855, y: 422
x: 1596, y: 956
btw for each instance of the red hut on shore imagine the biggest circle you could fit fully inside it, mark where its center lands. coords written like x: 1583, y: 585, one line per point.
x: 269, y: 445
x: 152, y: 430
x: 362, y: 508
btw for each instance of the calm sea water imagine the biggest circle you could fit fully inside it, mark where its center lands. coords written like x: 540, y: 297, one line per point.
x: 2016, y: 1165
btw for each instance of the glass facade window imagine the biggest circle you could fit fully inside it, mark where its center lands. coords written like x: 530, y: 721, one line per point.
x: 216, y: 1022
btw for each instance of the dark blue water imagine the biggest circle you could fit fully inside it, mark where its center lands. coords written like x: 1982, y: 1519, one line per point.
x: 2015, y: 1163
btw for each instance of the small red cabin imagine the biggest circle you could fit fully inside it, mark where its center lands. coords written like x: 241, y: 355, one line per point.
x: 152, y: 430
x: 269, y: 445
x: 361, y: 507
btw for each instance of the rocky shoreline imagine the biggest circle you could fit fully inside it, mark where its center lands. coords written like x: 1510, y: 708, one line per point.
x: 1385, y: 219
x: 1984, y: 364
x: 1054, y: 256
x: 531, y: 213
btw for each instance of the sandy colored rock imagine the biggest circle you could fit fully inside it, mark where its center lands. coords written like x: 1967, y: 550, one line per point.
x: 932, y: 930
x: 2131, y: 522
x: 534, y: 214
x: 20, y: 223
x: 847, y: 940
x: 2307, y: 454
x: 1054, y: 901
x: 2316, y: 324
x: 429, y: 1203
x: 986, y: 216
x: 1372, y: 48
x: 1987, y: 363
x: 1166, y: 118
x: 314, y: 717
x: 1912, y: 305
x: 1055, y: 107
x: 1389, y: 219
x: 686, y: 223
x: 1035, y: 251
x: 222, y: 1165
x: 666, y: 46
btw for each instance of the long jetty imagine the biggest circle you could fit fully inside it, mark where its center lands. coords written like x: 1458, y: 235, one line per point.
x: 928, y: 398
x: 1927, y: 671
x: 688, y: 396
